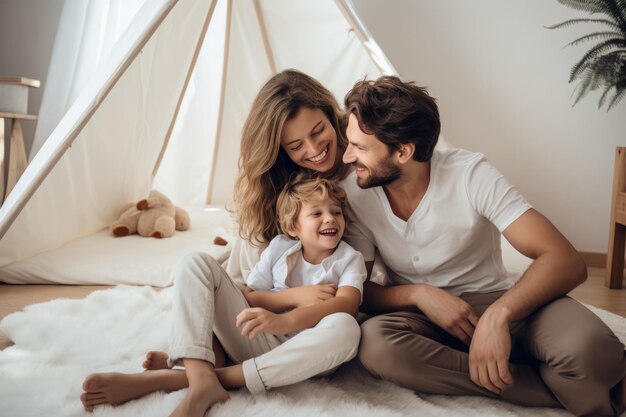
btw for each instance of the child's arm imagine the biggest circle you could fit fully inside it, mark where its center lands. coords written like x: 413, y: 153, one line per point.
x: 259, y: 320
x: 279, y: 301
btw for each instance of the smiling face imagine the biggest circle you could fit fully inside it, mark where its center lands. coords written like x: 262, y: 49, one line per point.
x: 310, y: 140
x: 374, y: 165
x: 319, y: 226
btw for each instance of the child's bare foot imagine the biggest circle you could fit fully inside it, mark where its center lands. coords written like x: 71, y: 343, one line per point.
x: 155, y: 360
x: 116, y: 388
x: 201, y: 397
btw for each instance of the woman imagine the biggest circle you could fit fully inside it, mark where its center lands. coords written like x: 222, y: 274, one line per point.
x: 294, y: 125
x: 282, y: 134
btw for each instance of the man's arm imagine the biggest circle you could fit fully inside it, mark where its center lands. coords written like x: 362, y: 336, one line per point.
x: 378, y: 299
x: 557, y: 269
x: 448, y: 311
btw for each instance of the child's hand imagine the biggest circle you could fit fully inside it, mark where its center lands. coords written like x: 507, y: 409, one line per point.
x: 259, y: 320
x: 311, y: 294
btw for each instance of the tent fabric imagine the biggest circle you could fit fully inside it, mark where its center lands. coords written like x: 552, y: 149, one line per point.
x: 112, y: 158
x: 87, y: 32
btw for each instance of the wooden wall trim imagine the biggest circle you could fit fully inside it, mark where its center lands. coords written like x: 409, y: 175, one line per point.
x: 594, y: 259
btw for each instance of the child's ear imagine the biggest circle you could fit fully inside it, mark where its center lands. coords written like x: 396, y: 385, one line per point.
x: 292, y: 233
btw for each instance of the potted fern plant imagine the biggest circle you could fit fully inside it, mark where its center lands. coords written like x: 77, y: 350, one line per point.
x: 603, y: 67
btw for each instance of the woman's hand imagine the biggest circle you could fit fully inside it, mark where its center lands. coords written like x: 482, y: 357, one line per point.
x: 311, y: 294
x: 254, y: 321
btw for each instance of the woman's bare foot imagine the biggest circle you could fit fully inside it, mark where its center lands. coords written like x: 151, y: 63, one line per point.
x: 201, y: 397
x: 116, y: 388
x: 155, y: 360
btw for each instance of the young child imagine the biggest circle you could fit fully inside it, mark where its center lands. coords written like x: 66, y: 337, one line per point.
x: 309, y: 252
x: 295, y: 320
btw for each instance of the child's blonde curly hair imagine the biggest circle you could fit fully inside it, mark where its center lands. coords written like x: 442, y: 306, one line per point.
x: 301, y: 188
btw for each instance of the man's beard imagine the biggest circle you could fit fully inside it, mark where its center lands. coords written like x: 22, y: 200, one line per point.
x: 385, y: 174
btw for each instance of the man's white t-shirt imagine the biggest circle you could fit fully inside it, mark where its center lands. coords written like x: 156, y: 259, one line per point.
x: 452, y: 239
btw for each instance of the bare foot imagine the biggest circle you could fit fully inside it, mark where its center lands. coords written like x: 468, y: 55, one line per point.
x: 155, y: 360
x: 201, y: 397
x: 116, y: 388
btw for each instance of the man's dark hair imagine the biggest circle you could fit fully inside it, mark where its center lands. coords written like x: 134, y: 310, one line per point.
x: 396, y: 112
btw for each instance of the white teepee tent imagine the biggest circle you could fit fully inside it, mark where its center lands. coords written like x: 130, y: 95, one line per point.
x: 167, y: 107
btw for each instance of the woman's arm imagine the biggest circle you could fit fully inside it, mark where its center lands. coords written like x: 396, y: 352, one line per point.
x: 259, y: 320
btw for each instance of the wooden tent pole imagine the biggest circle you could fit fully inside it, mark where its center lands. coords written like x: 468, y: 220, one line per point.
x: 220, y: 115
x: 14, y: 204
x: 372, y: 48
x: 264, y: 36
x: 194, y: 59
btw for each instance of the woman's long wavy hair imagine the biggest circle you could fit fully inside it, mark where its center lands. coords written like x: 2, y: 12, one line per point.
x: 264, y: 167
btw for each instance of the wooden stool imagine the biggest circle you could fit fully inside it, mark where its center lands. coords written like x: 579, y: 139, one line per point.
x: 13, y: 106
x: 617, y: 230
x: 16, y: 160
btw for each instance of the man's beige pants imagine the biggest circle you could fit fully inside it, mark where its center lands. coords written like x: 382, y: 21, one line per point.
x: 563, y: 355
x: 206, y: 301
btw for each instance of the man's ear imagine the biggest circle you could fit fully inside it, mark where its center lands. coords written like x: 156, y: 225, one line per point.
x: 405, y: 152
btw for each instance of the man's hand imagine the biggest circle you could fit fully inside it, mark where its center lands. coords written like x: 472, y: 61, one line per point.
x: 489, y: 353
x: 447, y: 311
x: 254, y: 321
x: 311, y: 294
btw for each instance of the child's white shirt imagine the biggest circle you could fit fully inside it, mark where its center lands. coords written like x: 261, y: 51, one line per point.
x: 282, y: 266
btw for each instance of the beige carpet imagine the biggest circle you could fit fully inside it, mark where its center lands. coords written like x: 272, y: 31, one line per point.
x: 59, y: 342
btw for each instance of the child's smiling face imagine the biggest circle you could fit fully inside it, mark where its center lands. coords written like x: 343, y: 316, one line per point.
x: 319, y: 226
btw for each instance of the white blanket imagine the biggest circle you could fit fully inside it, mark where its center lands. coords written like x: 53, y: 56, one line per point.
x: 58, y: 343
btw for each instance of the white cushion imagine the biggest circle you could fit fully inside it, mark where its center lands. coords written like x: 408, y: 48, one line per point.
x: 104, y: 259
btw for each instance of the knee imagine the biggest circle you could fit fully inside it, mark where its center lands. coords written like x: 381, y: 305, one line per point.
x: 197, y: 266
x: 594, y: 357
x: 376, y: 351
x: 344, y: 332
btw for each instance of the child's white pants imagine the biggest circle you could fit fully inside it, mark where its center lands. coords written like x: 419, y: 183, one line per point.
x: 206, y: 300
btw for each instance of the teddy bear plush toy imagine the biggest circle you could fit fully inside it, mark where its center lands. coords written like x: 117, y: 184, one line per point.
x: 155, y: 216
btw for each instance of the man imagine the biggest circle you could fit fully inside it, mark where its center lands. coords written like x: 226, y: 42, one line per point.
x: 451, y: 321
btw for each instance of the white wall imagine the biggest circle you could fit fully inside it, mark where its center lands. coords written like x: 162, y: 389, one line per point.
x: 27, y: 31
x: 500, y: 79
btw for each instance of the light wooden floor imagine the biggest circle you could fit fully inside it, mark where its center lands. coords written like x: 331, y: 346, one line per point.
x: 16, y: 297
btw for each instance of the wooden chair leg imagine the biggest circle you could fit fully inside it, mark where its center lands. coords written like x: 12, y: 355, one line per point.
x: 615, y: 257
x: 17, y: 156
x: 2, y: 164
x: 617, y: 230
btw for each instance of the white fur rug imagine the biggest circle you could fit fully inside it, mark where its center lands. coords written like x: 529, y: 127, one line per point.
x: 59, y: 342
